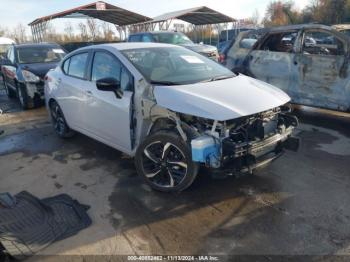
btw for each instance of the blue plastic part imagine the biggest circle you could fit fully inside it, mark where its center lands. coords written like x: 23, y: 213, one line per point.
x: 203, y: 155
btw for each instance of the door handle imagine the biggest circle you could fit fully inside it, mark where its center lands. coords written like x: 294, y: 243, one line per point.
x: 89, y: 93
x: 295, y: 63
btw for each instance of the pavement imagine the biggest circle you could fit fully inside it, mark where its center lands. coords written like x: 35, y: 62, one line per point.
x: 298, y: 205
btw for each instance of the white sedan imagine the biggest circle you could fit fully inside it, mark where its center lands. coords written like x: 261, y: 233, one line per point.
x: 171, y: 108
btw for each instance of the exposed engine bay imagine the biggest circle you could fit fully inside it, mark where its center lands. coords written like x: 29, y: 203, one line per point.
x: 242, y: 142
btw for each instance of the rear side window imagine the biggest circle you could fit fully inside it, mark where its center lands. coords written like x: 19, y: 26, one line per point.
x: 135, y: 38
x: 76, y: 65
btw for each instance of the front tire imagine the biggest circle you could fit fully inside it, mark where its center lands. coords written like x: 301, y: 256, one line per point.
x: 164, y: 160
x: 59, y: 122
x: 9, y: 92
x: 25, y: 101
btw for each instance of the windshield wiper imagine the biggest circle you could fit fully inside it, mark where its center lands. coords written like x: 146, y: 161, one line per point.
x: 216, y: 78
x: 165, y: 83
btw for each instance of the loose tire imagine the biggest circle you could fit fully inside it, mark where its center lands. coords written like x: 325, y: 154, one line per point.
x: 164, y: 160
x: 9, y: 92
x: 25, y: 101
x: 59, y: 122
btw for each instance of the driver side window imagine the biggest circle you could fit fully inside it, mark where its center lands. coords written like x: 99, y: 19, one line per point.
x: 105, y: 65
x: 322, y: 43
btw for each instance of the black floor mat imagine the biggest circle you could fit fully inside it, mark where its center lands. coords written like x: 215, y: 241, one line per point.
x: 34, y: 224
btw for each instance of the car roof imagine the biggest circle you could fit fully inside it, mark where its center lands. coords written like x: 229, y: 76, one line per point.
x: 37, y: 45
x: 130, y: 45
x: 298, y: 27
x: 157, y: 32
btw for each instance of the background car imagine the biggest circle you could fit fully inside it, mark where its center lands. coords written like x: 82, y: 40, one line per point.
x: 24, y: 70
x: 175, y: 38
x: 170, y: 108
x: 310, y: 62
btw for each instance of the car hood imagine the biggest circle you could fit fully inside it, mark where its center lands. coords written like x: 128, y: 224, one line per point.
x: 200, y: 48
x: 223, y: 99
x: 39, y: 69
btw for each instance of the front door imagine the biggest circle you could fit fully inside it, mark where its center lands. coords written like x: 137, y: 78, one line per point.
x: 323, y: 71
x: 272, y: 60
x: 108, y: 117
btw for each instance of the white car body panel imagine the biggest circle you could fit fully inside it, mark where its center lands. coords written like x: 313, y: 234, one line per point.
x: 221, y: 100
x: 104, y: 113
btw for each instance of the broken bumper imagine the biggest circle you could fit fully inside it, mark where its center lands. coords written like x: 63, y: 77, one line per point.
x: 246, y: 157
x: 35, y: 90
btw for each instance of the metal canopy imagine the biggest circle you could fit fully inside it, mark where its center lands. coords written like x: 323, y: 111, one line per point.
x: 197, y: 16
x: 100, y: 10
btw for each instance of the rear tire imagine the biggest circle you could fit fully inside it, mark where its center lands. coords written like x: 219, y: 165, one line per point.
x: 164, y: 161
x: 59, y: 122
x: 25, y: 101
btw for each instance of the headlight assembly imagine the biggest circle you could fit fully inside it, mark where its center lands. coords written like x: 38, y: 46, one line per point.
x: 30, y: 77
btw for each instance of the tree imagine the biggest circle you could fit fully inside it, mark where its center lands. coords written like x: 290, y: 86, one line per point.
x: 3, y: 31
x: 108, y: 34
x: 281, y: 13
x: 93, y: 28
x: 19, y: 33
x: 69, y: 32
x: 327, y: 12
x: 83, y: 32
x: 255, y: 19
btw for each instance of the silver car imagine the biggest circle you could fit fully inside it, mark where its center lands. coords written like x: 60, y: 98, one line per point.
x: 170, y: 108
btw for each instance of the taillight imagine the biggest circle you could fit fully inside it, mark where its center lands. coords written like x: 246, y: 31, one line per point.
x: 222, y: 58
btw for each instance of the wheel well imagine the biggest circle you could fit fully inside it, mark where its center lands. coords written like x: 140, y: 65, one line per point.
x: 51, y: 101
x: 162, y: 124
x: 170, y: 125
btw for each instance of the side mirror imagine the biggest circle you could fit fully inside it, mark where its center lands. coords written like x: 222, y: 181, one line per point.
x: 110, y: 84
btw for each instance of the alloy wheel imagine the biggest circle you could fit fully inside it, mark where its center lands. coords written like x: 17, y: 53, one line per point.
x: 58, y: 119
x: 164, y: 164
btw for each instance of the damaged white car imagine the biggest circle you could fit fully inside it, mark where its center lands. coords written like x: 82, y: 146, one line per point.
x: 170, y: 108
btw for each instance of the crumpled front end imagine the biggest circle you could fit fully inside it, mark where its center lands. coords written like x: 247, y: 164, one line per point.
x: 243, y: 144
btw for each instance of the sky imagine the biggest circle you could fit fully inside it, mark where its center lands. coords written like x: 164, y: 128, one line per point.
x: 24, y: 11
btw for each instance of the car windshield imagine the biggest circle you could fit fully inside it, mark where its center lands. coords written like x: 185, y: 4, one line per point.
x: 172, y: 38
x: 175, y: 66
x: 39, y: 54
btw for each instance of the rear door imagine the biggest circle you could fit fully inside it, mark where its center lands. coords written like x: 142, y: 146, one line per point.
x: 323, y: 71
x: 272, y: 59
x: 73, y: 91
x: 107, y: 117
